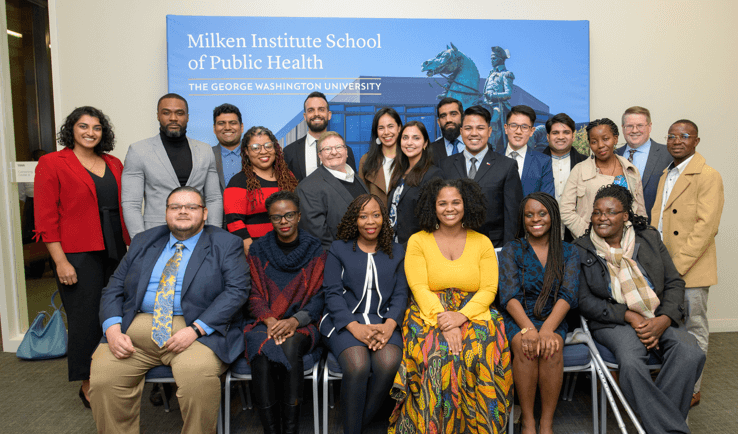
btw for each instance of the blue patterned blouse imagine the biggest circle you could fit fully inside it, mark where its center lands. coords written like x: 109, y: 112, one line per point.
x: 518, y: 260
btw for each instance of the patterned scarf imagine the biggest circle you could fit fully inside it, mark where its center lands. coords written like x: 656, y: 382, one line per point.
x: 627, y: 283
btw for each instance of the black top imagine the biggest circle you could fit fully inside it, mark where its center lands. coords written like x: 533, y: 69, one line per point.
x: 180, y: 155
x: 354, y: 188
x: 287, y: 248
x: 107, y: 203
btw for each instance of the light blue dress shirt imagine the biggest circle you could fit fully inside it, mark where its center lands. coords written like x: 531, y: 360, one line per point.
x: 640, y: 158
x: 480, y: 156
x: 231, y: 162
x: 450, y: 146
x: 147, y: 306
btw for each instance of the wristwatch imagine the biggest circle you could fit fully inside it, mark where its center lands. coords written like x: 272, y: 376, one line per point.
x: 197, y: 330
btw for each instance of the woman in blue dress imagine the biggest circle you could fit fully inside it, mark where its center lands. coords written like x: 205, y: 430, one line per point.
x: 539, y: 282
x: 365, y: 299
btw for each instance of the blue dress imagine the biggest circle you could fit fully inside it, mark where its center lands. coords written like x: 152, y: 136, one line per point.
x: 518, y: 261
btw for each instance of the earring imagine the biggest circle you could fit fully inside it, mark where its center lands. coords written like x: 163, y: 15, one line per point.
x: 379, y: 142
x: 437, y: 226
x: 462, y: 224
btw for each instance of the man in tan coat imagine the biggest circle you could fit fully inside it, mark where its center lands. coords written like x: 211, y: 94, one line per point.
x: 687, y: 210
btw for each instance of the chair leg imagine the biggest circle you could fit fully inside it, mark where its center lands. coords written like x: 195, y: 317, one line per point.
x: 166, y: 398
x: 572, y: 386
x: 511, y: 416
x: 316, y: 411
x: 325, y: 399
x: 603, y: 409
x: 228, y: 403
x: 220, y: 418
x: 244, y: 403
x: 565, y: 388
x: 593, y: 383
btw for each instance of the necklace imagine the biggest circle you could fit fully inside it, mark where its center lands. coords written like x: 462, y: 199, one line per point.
x: 612, y: 172
x: 88, y: 168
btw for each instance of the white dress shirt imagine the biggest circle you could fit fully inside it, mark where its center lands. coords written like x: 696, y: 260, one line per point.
x: 387, y: 169
x: 311, y: 162
x: 348, y: 176
x: 561, y: 167
x: 520, y: 158
x: 671, y: 178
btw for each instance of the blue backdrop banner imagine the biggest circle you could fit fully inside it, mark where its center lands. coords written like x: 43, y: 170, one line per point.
x: 267, y: 66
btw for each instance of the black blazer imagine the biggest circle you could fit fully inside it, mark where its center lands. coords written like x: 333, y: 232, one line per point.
x: 658, y: 159
x: 407, y: 222
x: 498, y: 177
x: 323, y: 202
x: 595, y: 302
x: 438, y: 151
x: 294, y: 155
x: 216, y: 285
x: 574, y: 156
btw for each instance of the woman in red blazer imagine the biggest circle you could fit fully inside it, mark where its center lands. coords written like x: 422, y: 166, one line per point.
x: 77, y: 207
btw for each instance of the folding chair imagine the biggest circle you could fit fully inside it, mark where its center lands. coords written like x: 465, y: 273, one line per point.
x: 241, y: 371
x: 163, y: 374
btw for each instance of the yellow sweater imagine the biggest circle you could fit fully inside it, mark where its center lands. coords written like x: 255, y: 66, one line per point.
x: 428, y: 271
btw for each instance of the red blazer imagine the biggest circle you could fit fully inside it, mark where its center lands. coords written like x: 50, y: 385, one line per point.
x: 65, y: 204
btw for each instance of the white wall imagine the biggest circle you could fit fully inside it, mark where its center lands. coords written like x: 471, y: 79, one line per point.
x: 677, y: 58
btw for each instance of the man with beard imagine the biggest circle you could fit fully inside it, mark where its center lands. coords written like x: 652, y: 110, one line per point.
x: 448, y: 111
x: 302, y: 155
x: 228, y: 128
x: 156, y: 166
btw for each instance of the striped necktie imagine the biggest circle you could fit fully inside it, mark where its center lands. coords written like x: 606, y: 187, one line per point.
x: 632, y: 152
x: 161, y: 327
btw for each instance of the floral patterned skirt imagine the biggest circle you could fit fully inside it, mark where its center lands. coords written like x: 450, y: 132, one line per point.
x: 441, y: 393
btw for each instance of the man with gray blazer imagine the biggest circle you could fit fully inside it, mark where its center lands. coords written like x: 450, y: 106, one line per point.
x: 156, y: 166
x: 228, y: 129
x: 327, y: 192
x: 649, y: 157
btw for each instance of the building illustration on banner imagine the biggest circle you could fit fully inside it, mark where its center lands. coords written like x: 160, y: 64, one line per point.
x: 450, y: 73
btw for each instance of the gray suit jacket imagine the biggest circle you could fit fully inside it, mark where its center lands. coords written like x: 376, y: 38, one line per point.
x: 323, y: 202
x: 658, y: 159
x: 148, y: 174
x: 219, y: 166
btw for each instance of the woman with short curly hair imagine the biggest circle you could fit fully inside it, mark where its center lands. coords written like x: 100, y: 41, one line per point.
x: 455, y: 374
x: 365, y: 297
x: 77, y: 212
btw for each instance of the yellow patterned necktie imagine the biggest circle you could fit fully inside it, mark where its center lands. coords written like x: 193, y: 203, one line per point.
x: 161, y: 328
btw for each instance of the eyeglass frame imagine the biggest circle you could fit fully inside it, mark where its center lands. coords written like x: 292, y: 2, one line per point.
x: 681, y: 136
x: 608, y: 213
x: 639, y: 127
x: 283, y: 216
x: 523, y: 127
x: 256, y: 147
x: 337, y: 148
x: 192, y: 207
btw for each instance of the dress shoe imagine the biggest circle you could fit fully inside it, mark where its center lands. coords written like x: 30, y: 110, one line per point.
x: 85, y: 402
x: 270, y: 419
x: 156, y: 397
x: 695, y: 400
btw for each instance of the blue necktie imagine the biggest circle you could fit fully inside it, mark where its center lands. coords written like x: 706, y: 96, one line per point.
x: 455, y: 149
x: 161, y: 329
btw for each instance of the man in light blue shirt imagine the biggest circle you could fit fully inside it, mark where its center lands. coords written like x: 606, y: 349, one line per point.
x: 228, y: 128
x: 174, y: 300
x: 449, y: 112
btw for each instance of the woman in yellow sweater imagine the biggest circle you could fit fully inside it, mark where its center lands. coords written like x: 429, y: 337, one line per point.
x: 455, y: 376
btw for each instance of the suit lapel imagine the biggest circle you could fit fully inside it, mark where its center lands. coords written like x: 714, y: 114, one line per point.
x: 149, y: 260
x: 650, y: 163
x: 161, y: 154
x: 527, y: 163
x: 79, y: 170
x: 219, y: 165
x: 197, y: 160
x: 460, y: 164
x: 685, y: 179
x: 199, y: 253
x: 485, y: 165
x: 301, y: 156
x: 336, y: 185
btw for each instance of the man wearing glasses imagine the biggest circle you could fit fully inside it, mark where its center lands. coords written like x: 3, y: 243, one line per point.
x: 157, y: 165
x: 326, y: 193
x: 174, y: 300
x: 534, y: 168
x: 649, y: 157
x: 687, y: 213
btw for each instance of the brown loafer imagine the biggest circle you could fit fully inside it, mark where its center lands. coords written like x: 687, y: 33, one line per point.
x: 695, y: 400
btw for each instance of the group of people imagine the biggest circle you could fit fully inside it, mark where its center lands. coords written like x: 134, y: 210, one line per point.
x: 301, y: 246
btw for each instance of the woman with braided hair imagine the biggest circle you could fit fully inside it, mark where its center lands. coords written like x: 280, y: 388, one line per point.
x: 365, y: 298
x: 539, y: 282
x: 633, y: 296
x: 264, y: 173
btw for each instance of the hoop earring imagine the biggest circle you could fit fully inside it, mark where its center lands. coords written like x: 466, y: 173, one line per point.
x: 379, y: 142
x: 462, y: 224
x: 437, y: 226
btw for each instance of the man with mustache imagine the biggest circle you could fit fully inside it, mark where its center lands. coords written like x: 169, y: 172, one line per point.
x: 449, y: 112
x: 156, y: 166
x: 302, y: 155
x: 648, y: 156
x: 689, y: 204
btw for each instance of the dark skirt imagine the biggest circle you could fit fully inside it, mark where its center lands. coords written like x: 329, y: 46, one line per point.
x: 340, y: 340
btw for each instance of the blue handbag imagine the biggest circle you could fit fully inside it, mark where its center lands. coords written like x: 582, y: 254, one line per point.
x: 45, y: 342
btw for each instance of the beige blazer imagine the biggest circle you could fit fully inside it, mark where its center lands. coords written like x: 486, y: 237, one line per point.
x: 691, y: 219
x: 375, y: 183
x: 577, y: 200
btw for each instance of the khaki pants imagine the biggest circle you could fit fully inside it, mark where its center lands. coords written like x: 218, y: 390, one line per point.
x: 116, y: 384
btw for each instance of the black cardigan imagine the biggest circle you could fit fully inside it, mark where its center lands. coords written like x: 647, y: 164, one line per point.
x: 595, y: 302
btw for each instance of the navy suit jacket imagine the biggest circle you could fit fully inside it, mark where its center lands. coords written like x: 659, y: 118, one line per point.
x: 498, y: 177
x: 294, y: 156
x: 438, y: 151
x: 658, y: 159
x: 537, y: 172
x: 407, y: 221
x: 216, y: 285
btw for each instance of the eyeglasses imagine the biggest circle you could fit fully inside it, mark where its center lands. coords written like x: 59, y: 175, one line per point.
x: 268, y: 146
x: 290, y: 216
x: 330, y: 149
x: 639, y: 127
x: 685, y: 136
x: 522, y: 127
x: 192, y: 207
x: 597, y: 213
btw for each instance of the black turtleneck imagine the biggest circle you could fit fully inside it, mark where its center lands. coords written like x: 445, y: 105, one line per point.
x: 287, y: 248
x: 180, y: 155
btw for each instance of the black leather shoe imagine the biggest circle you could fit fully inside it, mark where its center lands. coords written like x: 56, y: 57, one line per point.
x: 290, y: 419
x: 85, y: 402
x: 270, y: 419
x: 156, y: 397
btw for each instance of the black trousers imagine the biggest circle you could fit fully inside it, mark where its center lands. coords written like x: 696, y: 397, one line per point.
x: 82, y: 305
x: 272, y: 382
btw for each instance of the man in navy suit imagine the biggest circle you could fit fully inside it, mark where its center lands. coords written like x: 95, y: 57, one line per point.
x: 302, y: 154
x: 449, y: 112
x: 174, y: 300
x: 534, y: 168
x: 648, y: 156
x: 496, y: 175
